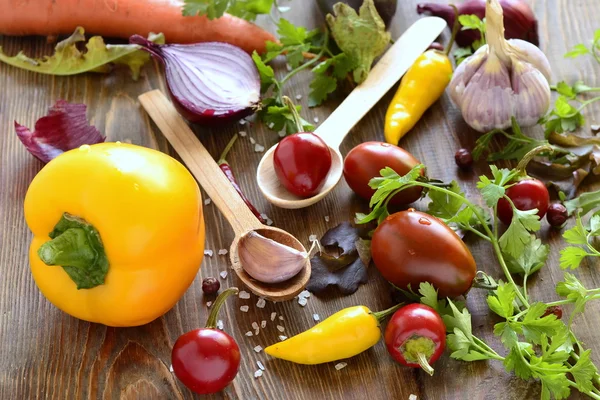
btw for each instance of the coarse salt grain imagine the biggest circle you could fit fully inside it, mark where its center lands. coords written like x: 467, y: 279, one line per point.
x: 242, y: 122
x: 256, y: 331
x: 412, y: 397
x: 249, y: 333
x: 281, y: 317
x: 244, y: 295
x: 261, y: 303
x: 244, y: 308
x: 282, y: 338
x: 341, y: 365
x: 316, y: 317
x: 263, y: 324
x: 207, y: 201
x: 254, y: 325
x: 258, y: 373
x: 258, y: 349
x: 220, y: 324
x: 259, y: 148
x: 302, y: 301
x: 281, y: 134
x: 312, y: 238
x: 171, y: 368
x: 208, y: 253
x: 222, y: 252
x: 252, y: 140
x: 298, y: 97
x: 280, y: 328
x: 304, y: 293
x: 273, y: 315
x: 260, y: 365
x: 288, y: 67
x: 208, y: 304
x: 242, y: 133
x: 327, y: 218
x: 316, y: 119
x: 223, y: 274
x: 269, y: 221
x: 270, y: 125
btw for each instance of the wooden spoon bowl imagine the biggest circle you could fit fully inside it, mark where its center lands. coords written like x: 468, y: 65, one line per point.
x: 215, y: 184
x: 279, y: 291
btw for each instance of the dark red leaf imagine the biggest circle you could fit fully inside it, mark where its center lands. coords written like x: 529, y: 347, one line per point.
x: 64, y: 128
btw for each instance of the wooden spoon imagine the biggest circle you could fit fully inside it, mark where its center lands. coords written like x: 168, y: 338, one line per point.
x: 215, y: 184
x: 394, y: 63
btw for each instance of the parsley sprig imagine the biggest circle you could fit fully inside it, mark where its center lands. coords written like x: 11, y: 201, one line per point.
x: 581, y: 49
x: 246, y: 9
x: 470, y: 22
x: 537, y: 344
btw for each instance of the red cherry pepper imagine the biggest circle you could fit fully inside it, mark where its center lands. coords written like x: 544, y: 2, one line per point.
x: 206, y: 360
x: 416, y: 336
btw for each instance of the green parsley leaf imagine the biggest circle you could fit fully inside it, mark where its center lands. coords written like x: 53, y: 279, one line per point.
x: 563, y: 118
x: 502, y: 302
x: 460, y: 320
x: 566, y: 90
x: 517, y: 236
x: 559, y: 348
x: 573, y: 289
x: 507, y: 334
x: 492, y: 191
x: 320, y: 88
x: 571, y: 257
x: 429, y: 297
x: 279, y: 117
x: 531, y: 259
x: 515, y: 361
x: 246, y: 9
x: 461, y: 54
x: 586, y: 202
x: 462, y: 348
x: 362, y: 37
x: 471, y: 22
x: 267, y: 75
x: 443, y: 205
x: 577, y: 234
x: 583, y: 372
x: 578, y: 50
x: 535, y: 325
x: 289, y: 34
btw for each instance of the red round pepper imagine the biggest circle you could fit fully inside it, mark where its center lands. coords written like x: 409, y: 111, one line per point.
x: 416, y: 336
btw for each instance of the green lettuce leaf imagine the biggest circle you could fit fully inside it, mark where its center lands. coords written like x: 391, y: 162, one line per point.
x: 98, y: 57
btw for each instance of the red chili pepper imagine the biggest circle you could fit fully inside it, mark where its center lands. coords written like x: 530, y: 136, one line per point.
x: 226, y: 168
x: 416, y: 336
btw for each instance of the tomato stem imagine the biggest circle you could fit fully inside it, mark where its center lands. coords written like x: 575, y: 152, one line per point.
x: 382, y: 315
x: 425, y: 364
x: 297, y: 119
x: 522, y: 166
x: 211, y: 322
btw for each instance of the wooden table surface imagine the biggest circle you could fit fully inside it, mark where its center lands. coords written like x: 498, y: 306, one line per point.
x: 47, y: 354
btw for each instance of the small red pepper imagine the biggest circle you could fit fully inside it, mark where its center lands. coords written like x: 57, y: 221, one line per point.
x: 416, y: 336
x: 226, y: 168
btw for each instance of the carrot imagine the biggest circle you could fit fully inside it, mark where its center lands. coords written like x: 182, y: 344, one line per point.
x: 123, y: 18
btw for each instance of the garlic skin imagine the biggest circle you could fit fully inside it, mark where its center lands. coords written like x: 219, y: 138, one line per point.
x: 503, y: 79
x: 269, y: 261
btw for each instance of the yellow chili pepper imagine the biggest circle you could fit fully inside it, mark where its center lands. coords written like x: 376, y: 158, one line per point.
x: 422, y: 85
x: 345, y: 334
x: 118, y: 232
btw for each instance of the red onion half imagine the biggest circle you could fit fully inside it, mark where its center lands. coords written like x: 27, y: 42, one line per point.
x: 210, y: 82
x: 519, y: 20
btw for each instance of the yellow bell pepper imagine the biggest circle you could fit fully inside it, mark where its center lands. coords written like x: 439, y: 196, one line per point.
x: 345, y: 334
x: 118, y: 232
x: 422, y: 85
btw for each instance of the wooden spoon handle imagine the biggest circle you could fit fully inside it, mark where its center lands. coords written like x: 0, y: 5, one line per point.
x: 388, y: 70
x: 199, y: 161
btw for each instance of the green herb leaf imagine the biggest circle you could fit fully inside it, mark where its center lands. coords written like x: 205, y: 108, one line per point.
x: 98, y: 57
x: 586, y: 202
x: 502, y: 302
x: 517, y: 236
x: 362, y: 37
x: 578, y: 50
x: 320, y: 88
x: 515, y: 361
x: 267, y: 75
x: 493, y: 190
x: 279, y: 117
x: 246, y: 9
x: 573, y: 289
x: 471, y: 22
x: 571, y: 257
x: 461, y: 54
x: 583, y: 372
x: 535, y: 325
x: 459, y: 320
x: 531, y: 259
x: 563, y: 118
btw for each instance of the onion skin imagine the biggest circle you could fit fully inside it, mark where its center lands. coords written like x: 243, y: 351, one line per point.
x: 209, y: 83
x: 519, y: 20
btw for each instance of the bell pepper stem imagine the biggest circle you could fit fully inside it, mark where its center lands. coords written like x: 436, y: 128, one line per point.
x: 425, y: 364
x: 211, y: 322
x: 77, y: 247
x: 382, y: 315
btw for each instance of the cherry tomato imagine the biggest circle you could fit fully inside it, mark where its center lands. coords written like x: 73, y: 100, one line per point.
x: 364, y: 162
x: 207, y: 359
x: 416, y: 336
x: 410, y: 247
x: 526, y: 194
x: 302, y: 162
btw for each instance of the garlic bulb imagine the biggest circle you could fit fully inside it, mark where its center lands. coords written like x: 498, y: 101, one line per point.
x: 503, y: 79
x: 269, y: 261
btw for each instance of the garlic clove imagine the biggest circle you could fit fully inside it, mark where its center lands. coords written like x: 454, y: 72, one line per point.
x: 269, y: 261
x: 532, y: 54
x: 532, y: 94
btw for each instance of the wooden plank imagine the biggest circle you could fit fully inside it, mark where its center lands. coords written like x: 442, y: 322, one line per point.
x: 47, y: 354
